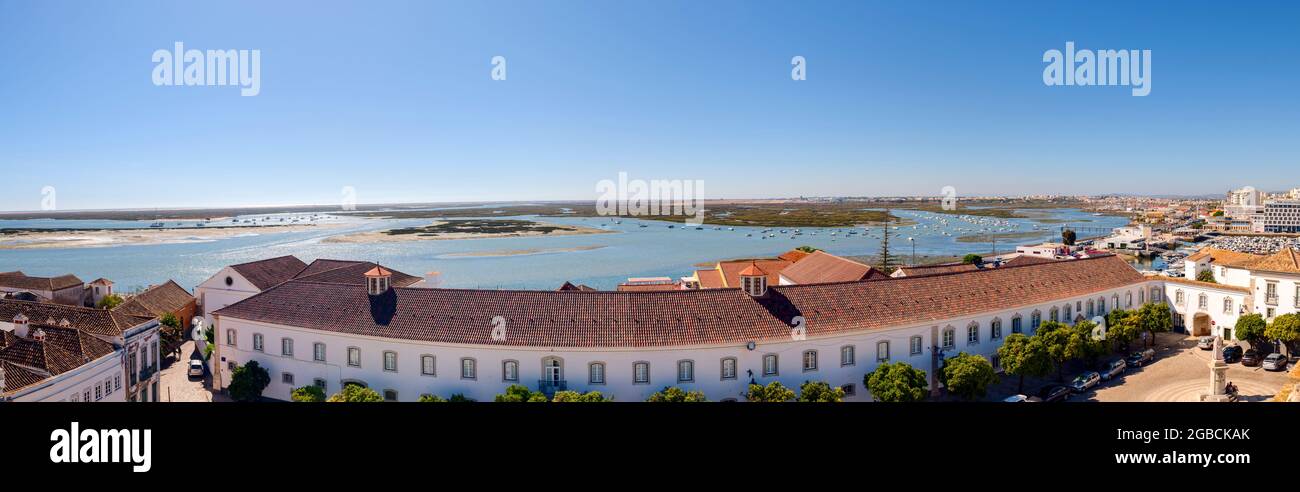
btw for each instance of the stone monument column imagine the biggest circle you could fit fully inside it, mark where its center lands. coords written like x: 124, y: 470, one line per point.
x: 1218, y: 375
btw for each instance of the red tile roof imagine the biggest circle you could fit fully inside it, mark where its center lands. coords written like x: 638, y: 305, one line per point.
x: 351, y: 272
x: 19, y: 280
x: 1284, y: 261
x: 822, y: 267
x: 709, y: 279
x: 158, y: 300
x: 676, y: 318
x: 267, y: 273
x: 95, y: 321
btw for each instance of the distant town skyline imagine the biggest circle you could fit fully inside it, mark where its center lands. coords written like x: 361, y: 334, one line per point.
x: 397, y: 100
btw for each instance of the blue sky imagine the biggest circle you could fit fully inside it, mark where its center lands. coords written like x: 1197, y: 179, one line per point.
x: 396, y: 100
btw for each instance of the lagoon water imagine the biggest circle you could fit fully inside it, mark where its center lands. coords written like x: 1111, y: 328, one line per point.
x: 598, y: 260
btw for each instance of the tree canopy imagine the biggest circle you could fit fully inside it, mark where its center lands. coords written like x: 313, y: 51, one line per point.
x: 972, y: 259
x: 310, y: 394
x: 248, y: 381
x: 1250, y: 327
x: 353, y: 393
x: 896, y: 382
x: 576, y: 397
x: 1068, y: 237
x: 517, y: 393
x: 109, y: 301
x: 673, y: 394
x: 819, y: 391
x: 1154, y: 318
x: 1285, y: 329
x: 773, y: 392
x: 1024, y: 356
x: 428, y: 398
x: 968, y: 375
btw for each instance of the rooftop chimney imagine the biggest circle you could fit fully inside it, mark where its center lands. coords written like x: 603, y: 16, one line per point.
x: 20, y: 325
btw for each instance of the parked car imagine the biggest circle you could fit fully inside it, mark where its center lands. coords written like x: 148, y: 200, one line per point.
x: 1205, y: 343
x: 1232, y: 353
x: 1139, y: 359
x: 1085, y: 381
x: 1275, y: 362
x: 1251, y: 358
x: 1115, y: 368
x: 1021, y: 399
x: 1054, y: 393
x: 196, y: 368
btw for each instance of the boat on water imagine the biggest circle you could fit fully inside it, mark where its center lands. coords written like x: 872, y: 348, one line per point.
x: 156, y: 224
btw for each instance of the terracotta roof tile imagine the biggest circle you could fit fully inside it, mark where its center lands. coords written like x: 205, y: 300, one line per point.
x: 270, y: 272
x: 822, y: 267
x: 157, y: 300
x: 1284, y: 261
x: 676, y: 318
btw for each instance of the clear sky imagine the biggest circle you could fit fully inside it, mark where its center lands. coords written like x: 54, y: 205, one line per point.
x: 396, y: 100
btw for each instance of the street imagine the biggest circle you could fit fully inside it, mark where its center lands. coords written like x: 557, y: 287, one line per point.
x: 177, y: 386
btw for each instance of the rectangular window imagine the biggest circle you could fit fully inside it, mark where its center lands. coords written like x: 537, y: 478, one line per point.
x: 427, y: 366
x: 641, y: 373
x: 882, y: 351
x: 286, y: 347
x: 849, y: 389
x: 99, y: 392
x: 728, y: 368
x: 916, y: 345
x: 847, y: 357
x: 354, y: 357
x: 117, y: 382
x: 86, y: 393
x: 1015, y: 325
x: 230, y: 338
x: 510, y: 370
x: 596, y: 373
x: 318, y: 351
x: 810, y: 360
x: 996, y: 331
x: 286, y: 378
x: 390, y: 361
x: 769, y: 365
x: 108, y: 386
x: 320, y: 383
x: 685, y: 371
x: 257, y: 342
x: 468, y: 370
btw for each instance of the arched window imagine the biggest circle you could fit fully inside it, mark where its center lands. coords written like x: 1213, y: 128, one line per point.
x: 1114, y: 301
x: 596, y: 373
x: 847, y: 357
x: 1016, y: 324
x: 510, y: 370
x: 390, y: 395
x: 1128, y: 299
x: 882, y: 351
x: 1035, y: 319
x: 1068, y: 313
x: 729, y: 368
x: 995, y: 329
x: 949, y: 337
x: 1227, y: 305
x: 1142, y: 296
x: 1101, y: 305
x: 810, y: 360
x: 1092, y: 308
x: 1054, y: 314
x: 973, y: 333
x: 685, y: 371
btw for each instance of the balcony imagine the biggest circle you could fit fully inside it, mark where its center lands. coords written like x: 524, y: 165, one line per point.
x: 1270, y: 299
x: 550, y: 386
x: 145, y: 374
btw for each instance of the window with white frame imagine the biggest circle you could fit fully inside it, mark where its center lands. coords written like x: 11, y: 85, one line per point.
x: 1054, y: 314
x: 99, y: 392
x: 1035, y: 319
x: 596, y: 373
x: 1178, y: 297
x: 810, y: 360
x: 230, y: 337
x: 770, y: 365
x: 685, y: 371
x: 1155, y: 294
x: 86, y: 394
x: 468, y: 368
x: 286, y: 378
x: 995, y: 329
x: 1227, y: 305
x: 510, y: 370
x: 257, y: 342
x: 916, y: 344
x: 108, y: 386
x: 354, y: 357
x: 1142, y: 296
x: 318, y: 352
x: 117, y: 382
x: 949, y: 337
x: 428, y: 365
x: 286, y: 347
x: 1092, y: 308
x: 1203, y: 301
x: 390, y: 361
x: 973, y: 333
x: 847, y: 357
x: 1128, y: 299
x: 882, y: 351
x: 729, y: 368
x: 1114, y: 301
x: 1068, y: 314
x: 641, y: 373
x: 1015, y: 324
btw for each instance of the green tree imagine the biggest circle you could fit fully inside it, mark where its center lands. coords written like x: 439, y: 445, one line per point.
x: 355, y: 393
x: 1154, y: 318
x: 972, y: 259
x: 818, y: 391
x: 248, y: 381
x: 1024, y: 356
x: 1206, y: 276
x: 171, y: 332
x: 673, y: 394
x: 773, y: 392
x: 885, y: 259
x: 1250, y: 327
x: 460, y: 398
x: 896, y: 382
x: 1068, y: 237
x: 576, y: 397
x: 109, y: 301
x: 310, y: 393
x: 967, y: 375
x: 1286, y: 330
x: 518, y: 393
x: 1086, y: 346
x: 428, y: 398
x: 1122, y: 327
x: 808, y: 249
x: 1056, y: 340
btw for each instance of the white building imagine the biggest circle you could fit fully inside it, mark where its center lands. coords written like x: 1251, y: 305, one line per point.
x: 408, y: 341
x: 52, y: 352
x: 1243, y: 284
